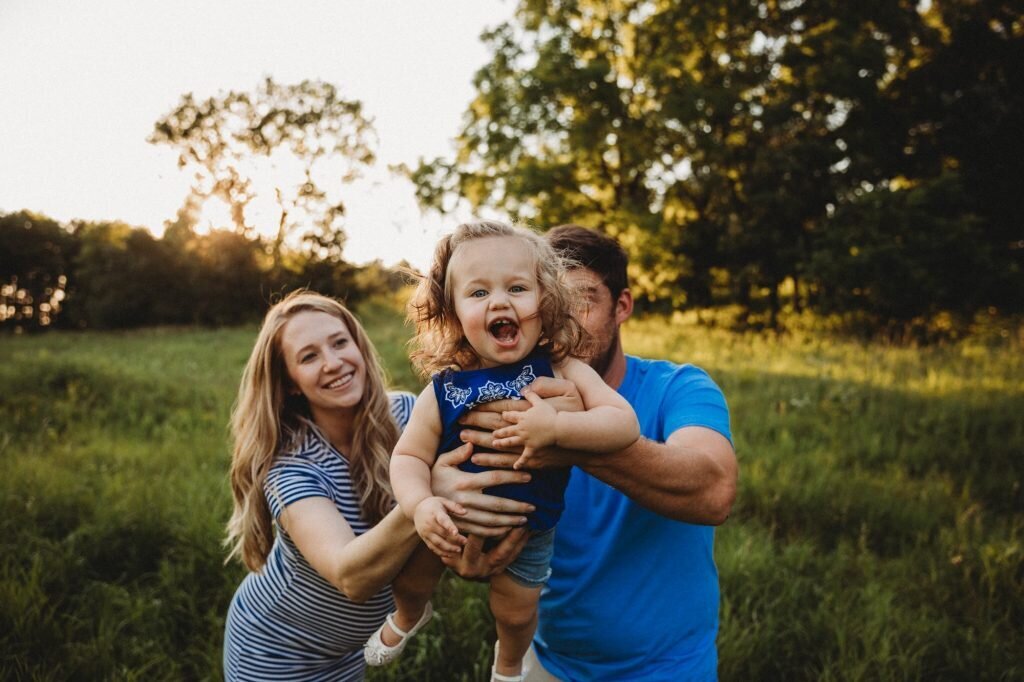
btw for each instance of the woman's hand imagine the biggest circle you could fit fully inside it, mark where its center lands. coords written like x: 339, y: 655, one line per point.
x: 485, y: 515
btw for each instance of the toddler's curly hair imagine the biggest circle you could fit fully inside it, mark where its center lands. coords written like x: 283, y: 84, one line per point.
x: 440, y: 343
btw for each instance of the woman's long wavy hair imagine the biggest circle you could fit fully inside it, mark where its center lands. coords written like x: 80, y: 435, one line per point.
x: 267, y: 422
x: 440, y: 343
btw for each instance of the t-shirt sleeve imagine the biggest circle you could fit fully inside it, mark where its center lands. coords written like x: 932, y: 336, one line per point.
x: 694, y: 399
x: 401, y: 407
x: 292, y: 480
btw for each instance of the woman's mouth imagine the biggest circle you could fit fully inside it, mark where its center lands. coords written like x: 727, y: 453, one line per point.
x: 340, y: 382
x: 504, y: 331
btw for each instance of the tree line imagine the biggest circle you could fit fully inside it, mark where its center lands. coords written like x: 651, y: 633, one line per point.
x: 109, y: 275
x: 861, y: 159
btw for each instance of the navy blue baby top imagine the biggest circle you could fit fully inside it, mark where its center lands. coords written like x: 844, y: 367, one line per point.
x: 459, y: 392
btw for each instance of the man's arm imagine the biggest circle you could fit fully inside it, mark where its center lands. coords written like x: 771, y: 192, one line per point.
x: 691, y: 477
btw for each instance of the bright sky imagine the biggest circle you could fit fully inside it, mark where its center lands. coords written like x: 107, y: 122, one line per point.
x: 82, y: 83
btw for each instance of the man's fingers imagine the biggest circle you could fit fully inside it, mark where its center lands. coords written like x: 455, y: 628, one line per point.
x: 550, y: 387
x: 512, y: 417
x: 473, y: 529
x: 439, y: 545
x: 453, y: 507
x: 500, y: 406
x: 483, y: 420
x: 489, y: 479
x: 532, y: 398
x: 524, y: 460
x: 498, y: 459
x: 456, y: 456
x: 508, y: 549
x: 481, y: 439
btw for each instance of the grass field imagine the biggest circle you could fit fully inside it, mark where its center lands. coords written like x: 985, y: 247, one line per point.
x: 878, y: 533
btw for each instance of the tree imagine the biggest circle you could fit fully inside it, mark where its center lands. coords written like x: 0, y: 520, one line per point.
x: 35, y: 259
x: 721, y: 140
x: 306, y: 133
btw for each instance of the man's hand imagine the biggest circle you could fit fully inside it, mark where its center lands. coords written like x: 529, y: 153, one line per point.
x: 485, y: 515
x: 436, y: 528
x: 474, y: 563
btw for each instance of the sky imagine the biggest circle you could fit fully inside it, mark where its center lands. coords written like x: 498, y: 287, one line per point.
x: 82, y: 83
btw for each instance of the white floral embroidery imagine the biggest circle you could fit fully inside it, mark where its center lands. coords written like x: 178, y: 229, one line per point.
x: 455, y: 395
x: 525, y: 378
x: 492, y: 391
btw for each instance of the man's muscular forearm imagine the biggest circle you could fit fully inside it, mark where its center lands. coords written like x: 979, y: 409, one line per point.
x: 691, y: 477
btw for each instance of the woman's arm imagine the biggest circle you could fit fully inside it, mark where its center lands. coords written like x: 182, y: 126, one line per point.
x: 358, y: 566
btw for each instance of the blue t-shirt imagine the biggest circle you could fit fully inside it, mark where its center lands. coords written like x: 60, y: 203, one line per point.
x: 459, y: 392
x: 634, y: 595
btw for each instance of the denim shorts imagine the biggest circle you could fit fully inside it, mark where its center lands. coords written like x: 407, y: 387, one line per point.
x: 532, y: 567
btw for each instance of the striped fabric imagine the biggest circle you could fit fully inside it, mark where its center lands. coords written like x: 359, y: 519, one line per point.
x: 286, y: 622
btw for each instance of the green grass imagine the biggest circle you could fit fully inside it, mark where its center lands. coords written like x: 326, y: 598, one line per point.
x: 878, y: 532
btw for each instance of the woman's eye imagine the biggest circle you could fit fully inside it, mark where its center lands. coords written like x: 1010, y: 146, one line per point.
x: 307, y: 357
x: 339, y: 343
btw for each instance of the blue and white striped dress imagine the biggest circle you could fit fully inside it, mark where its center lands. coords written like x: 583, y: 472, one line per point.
x: 287, y: 622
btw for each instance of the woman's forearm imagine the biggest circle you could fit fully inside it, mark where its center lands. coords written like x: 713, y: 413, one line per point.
x: 372, y: 560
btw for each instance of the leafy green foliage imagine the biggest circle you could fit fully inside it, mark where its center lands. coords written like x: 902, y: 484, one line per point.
x: 730, y: 145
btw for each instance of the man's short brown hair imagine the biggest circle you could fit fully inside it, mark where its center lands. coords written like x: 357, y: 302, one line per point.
x: 592, y: 250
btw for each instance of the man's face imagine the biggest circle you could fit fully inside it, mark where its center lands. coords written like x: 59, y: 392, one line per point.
x: 599, y: 314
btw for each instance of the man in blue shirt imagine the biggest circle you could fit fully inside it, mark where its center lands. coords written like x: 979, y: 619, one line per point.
x: 634, y: 589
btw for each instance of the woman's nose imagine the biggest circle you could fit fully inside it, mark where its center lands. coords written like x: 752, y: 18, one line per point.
x: 332, y: 361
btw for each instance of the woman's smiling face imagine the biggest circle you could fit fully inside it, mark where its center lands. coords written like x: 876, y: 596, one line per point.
x: 497, y: 298
x: 323, y: 361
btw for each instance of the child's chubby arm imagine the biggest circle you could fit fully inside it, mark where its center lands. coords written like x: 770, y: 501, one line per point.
x: 410, y: 478
x: 608, y: 423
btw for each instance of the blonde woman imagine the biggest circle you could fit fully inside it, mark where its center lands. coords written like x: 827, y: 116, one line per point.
x: 314, y: 518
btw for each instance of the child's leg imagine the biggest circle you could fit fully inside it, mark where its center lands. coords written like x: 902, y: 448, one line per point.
x: 515, y: 614
x: 412, y: 589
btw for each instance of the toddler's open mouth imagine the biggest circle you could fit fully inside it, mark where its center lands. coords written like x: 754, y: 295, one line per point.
x: 504, y: 331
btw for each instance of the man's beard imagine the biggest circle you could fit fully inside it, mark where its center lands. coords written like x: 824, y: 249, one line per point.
x: 602, y: 360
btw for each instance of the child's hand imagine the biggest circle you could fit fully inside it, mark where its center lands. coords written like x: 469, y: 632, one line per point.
x: 436, y: 528
x: 532, y: 430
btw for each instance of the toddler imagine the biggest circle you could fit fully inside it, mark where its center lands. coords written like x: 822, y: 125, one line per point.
x: 492, y: 316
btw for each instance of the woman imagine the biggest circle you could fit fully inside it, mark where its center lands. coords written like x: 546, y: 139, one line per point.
x: 313, y: 431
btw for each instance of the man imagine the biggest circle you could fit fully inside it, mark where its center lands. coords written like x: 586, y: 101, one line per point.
x: 634, y: 589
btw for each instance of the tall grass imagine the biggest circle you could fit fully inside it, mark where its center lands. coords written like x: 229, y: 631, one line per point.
x: 878, y: 532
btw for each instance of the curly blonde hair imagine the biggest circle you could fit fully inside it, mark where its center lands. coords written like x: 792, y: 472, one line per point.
x: 440, y: 343
x: 266, y: 421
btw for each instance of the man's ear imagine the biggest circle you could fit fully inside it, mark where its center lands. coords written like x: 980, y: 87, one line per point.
x: 623, y: 306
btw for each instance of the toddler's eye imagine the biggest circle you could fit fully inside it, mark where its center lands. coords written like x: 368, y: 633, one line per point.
x: 479, y: 293
x: 517, y: 288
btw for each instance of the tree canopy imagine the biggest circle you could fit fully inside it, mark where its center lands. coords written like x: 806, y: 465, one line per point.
x: 842, y: 151
x: 301, y: 142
